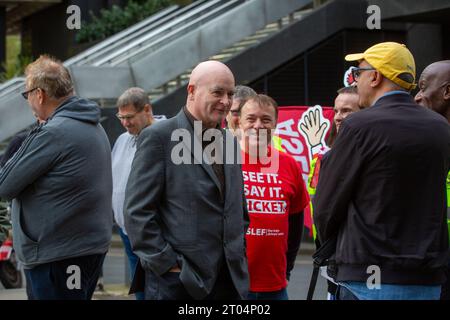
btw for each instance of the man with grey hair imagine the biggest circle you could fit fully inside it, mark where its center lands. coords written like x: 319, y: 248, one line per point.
x: 61, y: 183
x: 135, y: 113
x: 240, y: 97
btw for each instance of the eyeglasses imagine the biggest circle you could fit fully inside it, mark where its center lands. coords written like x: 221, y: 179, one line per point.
x: 129, y: 116
x: 26, y: 93
x: 356, y: 72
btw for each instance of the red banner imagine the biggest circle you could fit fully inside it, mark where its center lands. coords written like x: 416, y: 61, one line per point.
x: 290, y: 138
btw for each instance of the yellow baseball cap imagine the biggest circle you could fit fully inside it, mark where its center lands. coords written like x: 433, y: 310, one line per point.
x: 393, y: 60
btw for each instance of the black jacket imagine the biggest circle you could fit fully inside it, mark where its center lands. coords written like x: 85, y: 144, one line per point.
x: 382, y: 190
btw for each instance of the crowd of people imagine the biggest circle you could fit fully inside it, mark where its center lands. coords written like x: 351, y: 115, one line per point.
x: 213, y: 213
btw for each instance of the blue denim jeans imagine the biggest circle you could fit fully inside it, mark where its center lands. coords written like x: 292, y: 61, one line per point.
x: 49, y: 281
x: 271, y: 295
x: 388, y: 292
x: 132, y: 260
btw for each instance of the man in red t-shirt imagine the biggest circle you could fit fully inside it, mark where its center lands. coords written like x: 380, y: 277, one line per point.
x: 276, y: 196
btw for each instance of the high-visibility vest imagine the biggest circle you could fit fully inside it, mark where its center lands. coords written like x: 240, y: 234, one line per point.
x: 313, y: 179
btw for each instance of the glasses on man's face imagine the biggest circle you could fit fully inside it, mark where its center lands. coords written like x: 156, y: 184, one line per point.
x: 129, y: 116
x: 26, y: 93
x: 356, y: 72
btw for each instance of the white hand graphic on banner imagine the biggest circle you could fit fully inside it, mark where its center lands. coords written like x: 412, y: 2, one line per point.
x: 313, y: 126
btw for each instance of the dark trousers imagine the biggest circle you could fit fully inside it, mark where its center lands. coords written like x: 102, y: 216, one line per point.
x: 344, y: 294
x: 224, y: 288
x: 59, y: 280
x: 445, y: 292
x: 271, y: 295
x: 132, y: 260
x: 168, y: 286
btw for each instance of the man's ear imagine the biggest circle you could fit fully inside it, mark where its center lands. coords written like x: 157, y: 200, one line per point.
x: 191, y: 90
x: 376, y: 79
x: 41, y: 96
x: 447, y: 91
x: 148, y: 108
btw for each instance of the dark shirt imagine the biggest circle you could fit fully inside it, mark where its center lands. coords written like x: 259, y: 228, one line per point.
x: 217, y: 167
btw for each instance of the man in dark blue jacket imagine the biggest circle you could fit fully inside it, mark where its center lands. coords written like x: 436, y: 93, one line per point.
x: 381, y: 191
x: 61, y: 183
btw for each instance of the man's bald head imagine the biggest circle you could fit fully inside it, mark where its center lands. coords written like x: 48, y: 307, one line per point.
x: 210, y: 92
x: 434, y: 88
x: 440, y: 69
x: 207, y: 69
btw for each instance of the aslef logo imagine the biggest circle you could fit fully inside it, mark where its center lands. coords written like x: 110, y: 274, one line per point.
x: 374, y: 20
x: 74, y: 280
x: 73, y: 22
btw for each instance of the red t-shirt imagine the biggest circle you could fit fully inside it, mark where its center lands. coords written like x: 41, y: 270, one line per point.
x: 273, y: 191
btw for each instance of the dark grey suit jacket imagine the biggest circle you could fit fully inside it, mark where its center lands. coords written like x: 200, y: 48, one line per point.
x: 177, y: 213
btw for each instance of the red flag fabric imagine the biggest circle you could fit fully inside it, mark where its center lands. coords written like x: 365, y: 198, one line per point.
x: 293, y: 142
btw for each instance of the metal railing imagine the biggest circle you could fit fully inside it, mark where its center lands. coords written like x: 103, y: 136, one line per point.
x: 168, y: 32
x: 157, y: 24
x: 11, y: 85
x: 13, y: 106
x: 153, y: 52
x: 119, y: 38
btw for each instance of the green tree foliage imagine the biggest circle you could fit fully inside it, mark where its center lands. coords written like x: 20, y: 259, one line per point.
x: 15, y: 69
x: 116, y: 19
x: 15, y: 61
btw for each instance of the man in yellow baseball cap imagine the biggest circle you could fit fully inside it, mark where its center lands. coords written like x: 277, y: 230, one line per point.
x: 391, y: 67
x: 381, y: 191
